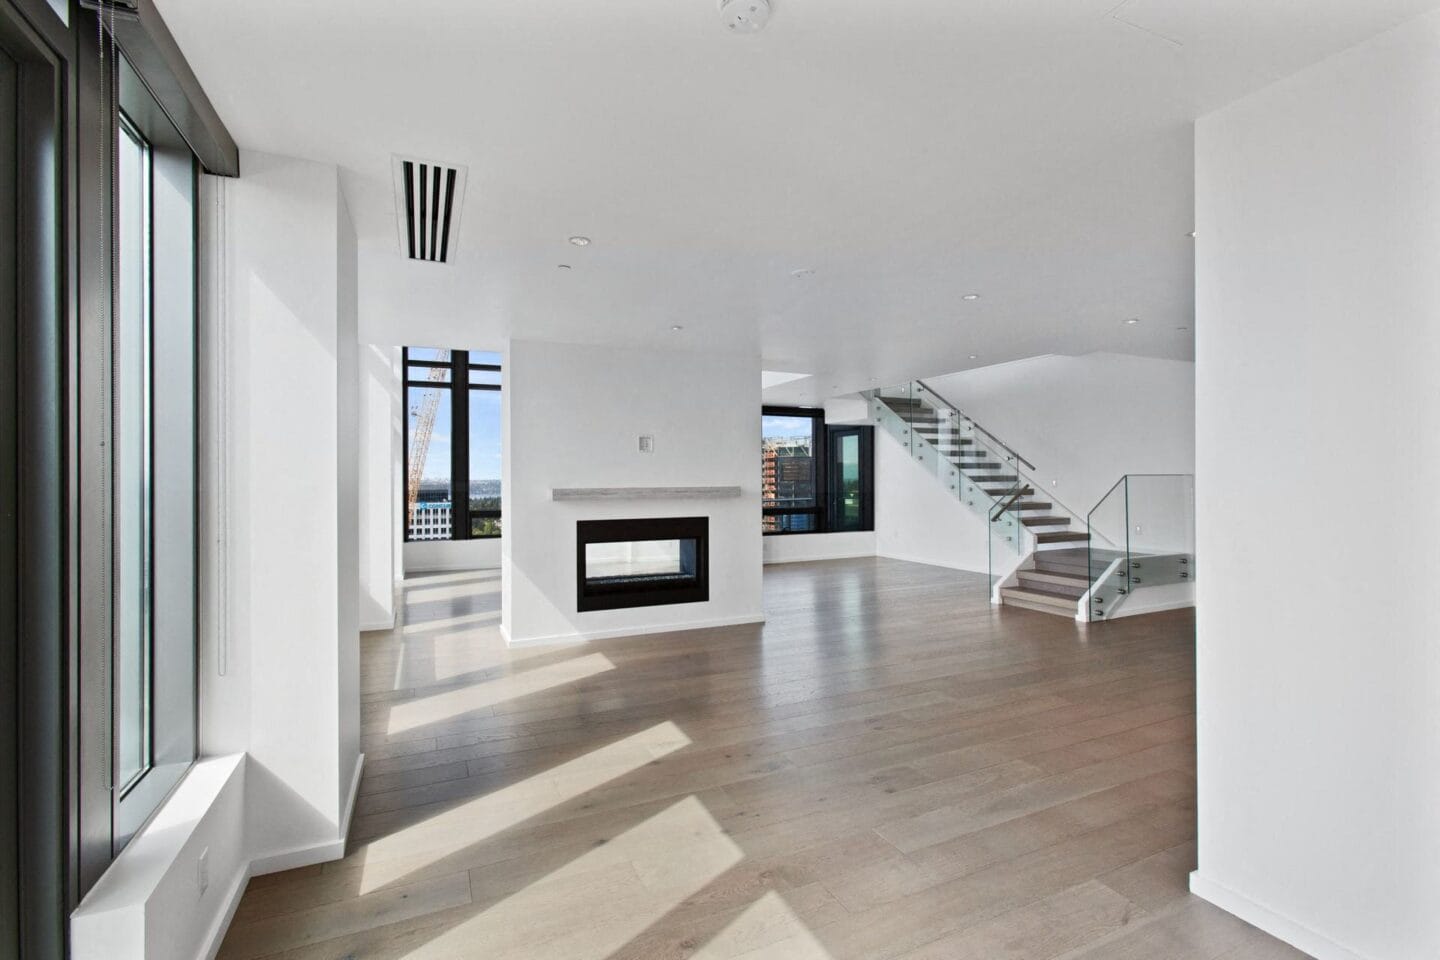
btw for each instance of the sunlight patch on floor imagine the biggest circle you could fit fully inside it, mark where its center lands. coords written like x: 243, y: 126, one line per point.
x: 450, y: 591
x: 440, y: 707
x: 475, y: 820
x: 483, y: 618
x: 603, y: 899
x: 767, y: 929
x: 455, y: 576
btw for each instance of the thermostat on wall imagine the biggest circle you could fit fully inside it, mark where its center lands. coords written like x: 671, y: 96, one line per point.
x: 647, y: 444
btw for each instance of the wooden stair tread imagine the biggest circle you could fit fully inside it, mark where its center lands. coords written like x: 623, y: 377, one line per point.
x: 1038, y: 600
x: 1068, y: 537
x: 1046, y: 521
x: 1038, y: 581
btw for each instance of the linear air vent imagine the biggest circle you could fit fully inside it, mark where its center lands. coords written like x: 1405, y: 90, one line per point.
x: 428, y: 197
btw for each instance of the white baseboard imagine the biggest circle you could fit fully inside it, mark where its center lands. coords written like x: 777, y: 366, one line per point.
x: 350, y: 801
x: 1296, y: 934
x: 818, y: 558
x: 216, y: 936
x: 313, y: 853
x: 379, y: 624
x: 303, y: 856
x: 589, y: 635
x: 927, y: 561
x: 1137, y: 609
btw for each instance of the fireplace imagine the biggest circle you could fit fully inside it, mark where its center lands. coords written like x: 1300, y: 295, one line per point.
x: 641, y: 563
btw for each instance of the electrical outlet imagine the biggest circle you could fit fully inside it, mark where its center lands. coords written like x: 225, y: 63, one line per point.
x: 202, y: 871
x: 647, y: 444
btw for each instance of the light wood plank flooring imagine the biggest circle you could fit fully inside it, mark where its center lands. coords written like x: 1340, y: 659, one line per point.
x: 889, y: 769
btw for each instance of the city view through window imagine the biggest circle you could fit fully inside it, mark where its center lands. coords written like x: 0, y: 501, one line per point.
x: 788, y: 474
x: 442, y: 441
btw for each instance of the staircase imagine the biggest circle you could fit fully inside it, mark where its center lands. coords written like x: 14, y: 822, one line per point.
x: 1043, y: 556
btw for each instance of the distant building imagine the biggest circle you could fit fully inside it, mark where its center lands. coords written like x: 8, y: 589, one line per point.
x: 430, y: 520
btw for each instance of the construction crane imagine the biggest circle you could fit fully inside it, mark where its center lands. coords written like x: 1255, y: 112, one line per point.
x: 423, y: 425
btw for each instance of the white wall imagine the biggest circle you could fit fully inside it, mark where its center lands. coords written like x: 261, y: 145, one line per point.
x: 290, y: 485
x: 795, y: 547
x: 1082, y: 421
x: 426, y: 556
x: 347, y: 506
x: 573, y: 415
x: 380, y: 494
x: 917, y: 519
x: 1318, y: 211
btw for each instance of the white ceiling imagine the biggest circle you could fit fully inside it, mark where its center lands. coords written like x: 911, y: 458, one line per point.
x: 1037, y: 152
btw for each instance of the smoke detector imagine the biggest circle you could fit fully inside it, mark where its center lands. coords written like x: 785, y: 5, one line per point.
x: 745, y: 16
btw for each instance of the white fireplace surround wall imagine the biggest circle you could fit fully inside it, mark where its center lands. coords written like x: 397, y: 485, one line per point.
x: 573, y: 418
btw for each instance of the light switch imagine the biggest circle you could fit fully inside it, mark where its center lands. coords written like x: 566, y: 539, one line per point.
x: 647, y: 444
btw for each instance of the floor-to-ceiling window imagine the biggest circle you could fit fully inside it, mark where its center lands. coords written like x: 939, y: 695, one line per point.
x: 452, y: 444
x: 138, y: 484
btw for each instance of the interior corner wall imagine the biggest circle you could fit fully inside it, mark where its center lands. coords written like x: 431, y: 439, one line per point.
x: 916, y: 518
x: 1318, y: 293
x: 380, y: 493
x: 347, y: 484
x: 279, y: 672
x: 573, y: 415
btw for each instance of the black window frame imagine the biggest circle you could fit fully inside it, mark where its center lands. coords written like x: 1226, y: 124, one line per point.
x: 460, y: 366
x: 826, y: 507
x: 817, y: 441
x: 833, y: 492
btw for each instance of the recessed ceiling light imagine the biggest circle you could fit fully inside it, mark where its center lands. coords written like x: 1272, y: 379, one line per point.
x: 974, y: 356
x: 580, y: 241
x: 1193, y: 234
x: 676, y: 327
x: 563, y: 266
x: 802, y: 273
x: 971, y: 296
x: 1182, y: 328
x: 1132, y: 321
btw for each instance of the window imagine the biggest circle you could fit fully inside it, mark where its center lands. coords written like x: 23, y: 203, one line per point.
x: 134, y: 490
x: 790, y: 470
x: 452, y: 444
x: 813, y: 478
x: 138, y: 527
x: 850, y: 471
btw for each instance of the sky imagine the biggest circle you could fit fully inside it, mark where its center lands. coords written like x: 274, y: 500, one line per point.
x: 484, y: 426
x: 785, y: 427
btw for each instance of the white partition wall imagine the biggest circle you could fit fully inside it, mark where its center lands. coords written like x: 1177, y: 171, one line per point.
x: 279, y: 674
x: 573, y: 418
x: 1318, y: 496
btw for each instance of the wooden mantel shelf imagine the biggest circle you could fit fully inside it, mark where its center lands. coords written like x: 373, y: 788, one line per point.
x: 643, y: 493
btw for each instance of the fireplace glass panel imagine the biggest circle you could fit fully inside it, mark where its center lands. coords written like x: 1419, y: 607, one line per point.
x: 638, y: 563
x: 641, y: 561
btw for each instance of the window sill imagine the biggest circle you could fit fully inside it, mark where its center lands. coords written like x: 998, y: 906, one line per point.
x: 135, y: 904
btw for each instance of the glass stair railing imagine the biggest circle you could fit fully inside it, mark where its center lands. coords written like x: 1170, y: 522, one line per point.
x: 980, y: 470
x: 1148, y: 522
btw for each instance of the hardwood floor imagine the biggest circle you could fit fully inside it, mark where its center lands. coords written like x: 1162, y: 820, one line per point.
x: 890, y: 769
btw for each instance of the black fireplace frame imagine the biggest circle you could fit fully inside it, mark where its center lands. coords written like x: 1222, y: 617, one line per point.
x: 591, y: 597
